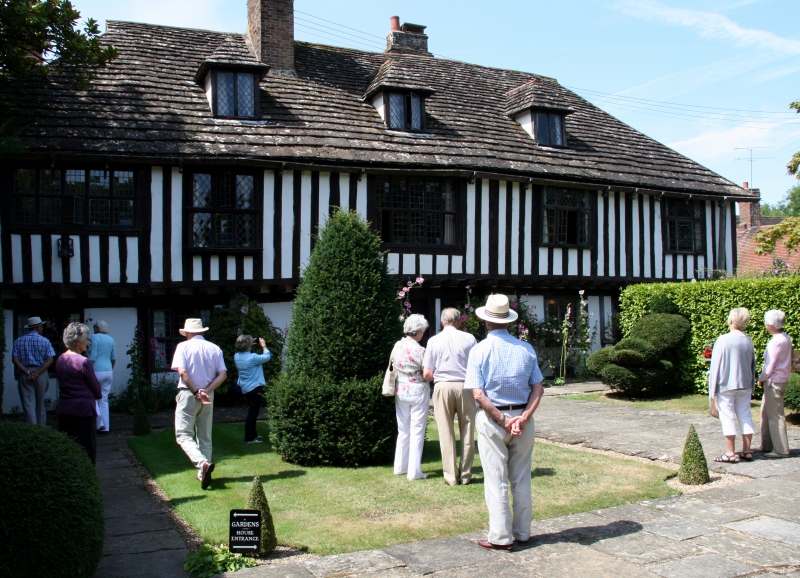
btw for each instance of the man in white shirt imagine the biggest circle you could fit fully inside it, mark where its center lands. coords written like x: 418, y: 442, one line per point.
x: 445, y: 363
x: 202, y: 370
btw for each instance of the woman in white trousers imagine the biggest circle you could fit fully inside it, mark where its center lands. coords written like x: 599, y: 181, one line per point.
x: 731, y: 380
x: 104, y: 355
x: 412, y: 395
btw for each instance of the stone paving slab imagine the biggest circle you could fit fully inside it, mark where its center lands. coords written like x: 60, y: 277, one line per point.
x: 707, y: 511
x: 137, y: 502
x: 499, y: 568
x: 704, y: 566
x: 353, y: 563
x: 589, y: 562
x: 151, y: 541
x: 287, y: 570
x: 772, y: 506
x: 771, y: 529
x: 645, y: 548
x: 632, y: 513
x: 442, y: 554
x: 748, y: 549
x: 679, y: 528
x: 124, y: 525
x: 162, y: 564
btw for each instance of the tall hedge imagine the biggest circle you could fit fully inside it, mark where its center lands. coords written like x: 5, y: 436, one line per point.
x: 707, y: 304
x: 52, y: 509
x: 2, y: 356
x: 345, y: 314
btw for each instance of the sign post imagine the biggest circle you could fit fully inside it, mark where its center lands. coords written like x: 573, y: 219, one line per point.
x: 245, y: 531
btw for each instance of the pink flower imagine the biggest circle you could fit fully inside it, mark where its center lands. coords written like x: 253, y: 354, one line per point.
x: 245, y: 310
x: 162, y: 354
x: 401, y: 318
x: 401, y: 294
x: 409, y: 283
x: 413, y: 380
x: 420, y: 280
x: 463, y: 318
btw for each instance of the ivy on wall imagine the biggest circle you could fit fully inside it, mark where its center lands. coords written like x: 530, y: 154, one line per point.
x: 707, y: 304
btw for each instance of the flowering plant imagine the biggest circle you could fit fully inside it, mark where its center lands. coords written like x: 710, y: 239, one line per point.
x: 402, y: 296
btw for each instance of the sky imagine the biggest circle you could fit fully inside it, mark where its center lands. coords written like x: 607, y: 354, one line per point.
x: 708, y: 78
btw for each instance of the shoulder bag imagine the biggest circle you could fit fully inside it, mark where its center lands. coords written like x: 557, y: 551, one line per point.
x: 390, y: 377
x: 713, y: 408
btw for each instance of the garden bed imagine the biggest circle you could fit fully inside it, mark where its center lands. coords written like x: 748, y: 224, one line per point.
x: 332, y: 510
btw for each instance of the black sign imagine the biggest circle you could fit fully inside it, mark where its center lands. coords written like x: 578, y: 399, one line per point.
x: 245, y: 531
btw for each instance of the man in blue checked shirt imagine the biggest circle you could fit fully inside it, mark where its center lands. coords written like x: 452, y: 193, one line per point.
x: 32, y: 355
x: 505, y: 380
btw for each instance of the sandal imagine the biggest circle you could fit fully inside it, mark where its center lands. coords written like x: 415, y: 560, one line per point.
x: 726, y: 459
x: 746, y: 456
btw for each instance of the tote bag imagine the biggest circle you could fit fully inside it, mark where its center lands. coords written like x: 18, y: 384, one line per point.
x: 389, y: 378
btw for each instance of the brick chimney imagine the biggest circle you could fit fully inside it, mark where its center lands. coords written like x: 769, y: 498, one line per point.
x: 406, y: 39
x: 749, y: 213
x: 270, y: 28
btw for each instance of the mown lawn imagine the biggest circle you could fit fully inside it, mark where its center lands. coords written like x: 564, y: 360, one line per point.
x: 333, y: 510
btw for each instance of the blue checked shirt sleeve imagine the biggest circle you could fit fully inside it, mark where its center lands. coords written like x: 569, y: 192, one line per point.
x: 536, y: 374
x: 475, y: 378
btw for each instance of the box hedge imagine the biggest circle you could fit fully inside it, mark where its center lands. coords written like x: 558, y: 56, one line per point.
x: 706, y: 305
x: 791, y: 397
x: 52, y: 516
x: 632, y: 352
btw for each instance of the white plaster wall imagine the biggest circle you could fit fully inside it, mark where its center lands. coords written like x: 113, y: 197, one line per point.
x: 121, y: 322
x: 535, y: 301
x: 594, y: 320
x: 279, y: 313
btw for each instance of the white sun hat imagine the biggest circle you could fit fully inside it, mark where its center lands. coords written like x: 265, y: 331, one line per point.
x: 497, y: 310
x: 193, y: 326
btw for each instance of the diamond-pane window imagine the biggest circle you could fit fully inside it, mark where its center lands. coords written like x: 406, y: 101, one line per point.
x: 201, y: 192
x: 225, y: 94
x: 99, y: 212
x: 245, y: 95
x: 244, y: 192
x: 405, y: 111
x: 224, y: 190
x: 416, y: 112
x: 565, y: 216
x: 417, y: 211
x: 223, y: 229
x: 201, y: 230
x: 549, y: 128
x: 685, y: 221
x: 397, y: 111
x: 245, y: 231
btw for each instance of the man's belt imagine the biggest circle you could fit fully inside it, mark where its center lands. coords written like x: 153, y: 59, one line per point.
x: 511, y: 407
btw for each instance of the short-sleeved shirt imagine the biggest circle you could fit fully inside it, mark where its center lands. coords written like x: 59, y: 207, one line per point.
x: 202, y: 360
x: 447, y: 354
x: 32, y: 349
x: 504, y: 368
x: 407, y: 356
x: 103, y: 352
x: 249, y: 364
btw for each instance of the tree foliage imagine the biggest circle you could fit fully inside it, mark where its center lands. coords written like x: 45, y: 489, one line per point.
x: 794, y: 164
x: 788, y: 206
x: 39, y: 36
x: 787, y: 232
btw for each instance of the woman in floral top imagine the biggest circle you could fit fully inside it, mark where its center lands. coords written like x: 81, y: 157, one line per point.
x: 411, y: 399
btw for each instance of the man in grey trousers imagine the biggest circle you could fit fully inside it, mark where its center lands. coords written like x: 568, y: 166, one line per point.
x: 32, y: 355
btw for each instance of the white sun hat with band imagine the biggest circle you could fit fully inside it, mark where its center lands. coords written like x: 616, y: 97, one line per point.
x: 497, y: 310
x: 193, y: 326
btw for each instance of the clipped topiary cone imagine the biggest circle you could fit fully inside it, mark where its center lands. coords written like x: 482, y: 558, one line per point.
x: 257, y: 500
x: 141, y: 423
x: 694, y: 468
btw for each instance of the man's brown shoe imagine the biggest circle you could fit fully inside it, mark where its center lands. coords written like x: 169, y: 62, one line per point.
x: 489, y: 545
x: 206, y: 470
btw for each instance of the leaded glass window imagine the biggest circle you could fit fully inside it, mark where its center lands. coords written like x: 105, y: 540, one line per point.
x: 418, y: 211
x: 406, y: 112
x: 166, y: 326
x: 53, y: 197
x: 223, y: 211
x: 565, y: 216
x: 236, y: 94
x: 684, y: 223
x: 549, y: 129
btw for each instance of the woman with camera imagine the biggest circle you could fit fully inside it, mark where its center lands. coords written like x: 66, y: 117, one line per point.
x: 251, y: 381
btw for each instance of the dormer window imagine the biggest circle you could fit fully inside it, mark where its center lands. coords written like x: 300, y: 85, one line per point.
x: 549, y: 128
x: 406, y: 111
x: 234, y: 94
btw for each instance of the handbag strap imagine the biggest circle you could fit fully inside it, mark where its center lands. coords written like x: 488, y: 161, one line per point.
x: 391, y: 358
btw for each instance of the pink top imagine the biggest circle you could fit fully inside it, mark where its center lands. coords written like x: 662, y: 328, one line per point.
x: 777, y: 359
x: 202, y: 360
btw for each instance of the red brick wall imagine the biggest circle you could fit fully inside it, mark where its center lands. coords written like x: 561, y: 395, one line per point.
x: 270, y: 26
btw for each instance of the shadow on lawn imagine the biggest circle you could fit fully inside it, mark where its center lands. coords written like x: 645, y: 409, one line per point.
x: 220, y: 483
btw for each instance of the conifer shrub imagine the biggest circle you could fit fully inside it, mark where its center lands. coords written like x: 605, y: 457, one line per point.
x: 598, y: 360
x: 52, y: 514
x: 632, y: 352
x: 327, y: 408
x: 666, y: 332
x: 316, y: 422
x: 345, y: 315
x: 791, y: 397
x: 694, y: 468
x: 636, y: 381
x: 257, y: 500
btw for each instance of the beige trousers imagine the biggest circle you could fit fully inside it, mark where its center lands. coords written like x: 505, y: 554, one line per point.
x: 193, y: 422
x: 451, y: 400
x: 506, y: 461
x: 773, y: 422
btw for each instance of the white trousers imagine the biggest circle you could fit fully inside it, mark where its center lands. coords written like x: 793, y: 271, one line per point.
x: 105, y: 378
x: 193, y: 422
x: 506, y: 461
x: 412, y: 419
x: 735, y: 404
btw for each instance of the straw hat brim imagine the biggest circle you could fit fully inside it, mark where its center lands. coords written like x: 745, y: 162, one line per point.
x: 512, y: 316
x: 194, y: 331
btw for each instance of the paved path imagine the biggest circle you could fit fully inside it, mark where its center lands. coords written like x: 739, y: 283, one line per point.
x: 749, y: 529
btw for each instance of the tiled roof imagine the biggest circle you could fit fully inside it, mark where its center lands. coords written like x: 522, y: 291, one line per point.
x: 232, y: 52
x: 147, y: 104
x: 748, y: 261
x: 396, y: 74
x: 538, y: 93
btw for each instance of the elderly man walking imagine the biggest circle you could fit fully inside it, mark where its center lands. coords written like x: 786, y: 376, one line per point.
x: 505, y: 380
x: 202, y: 370
x: 445, y: 364
x: 32, y: 355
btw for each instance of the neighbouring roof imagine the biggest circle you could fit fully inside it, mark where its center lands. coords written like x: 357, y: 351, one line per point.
x: 746, y: 258
x: 537, y: 93
x: 147, y: 104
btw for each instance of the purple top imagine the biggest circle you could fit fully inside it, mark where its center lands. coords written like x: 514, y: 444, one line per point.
x: 78, y: 386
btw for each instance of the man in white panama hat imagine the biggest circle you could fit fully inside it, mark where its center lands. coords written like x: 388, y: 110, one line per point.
x: 202, y: 370
x: 32, y: 355
x: 503, y: 374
